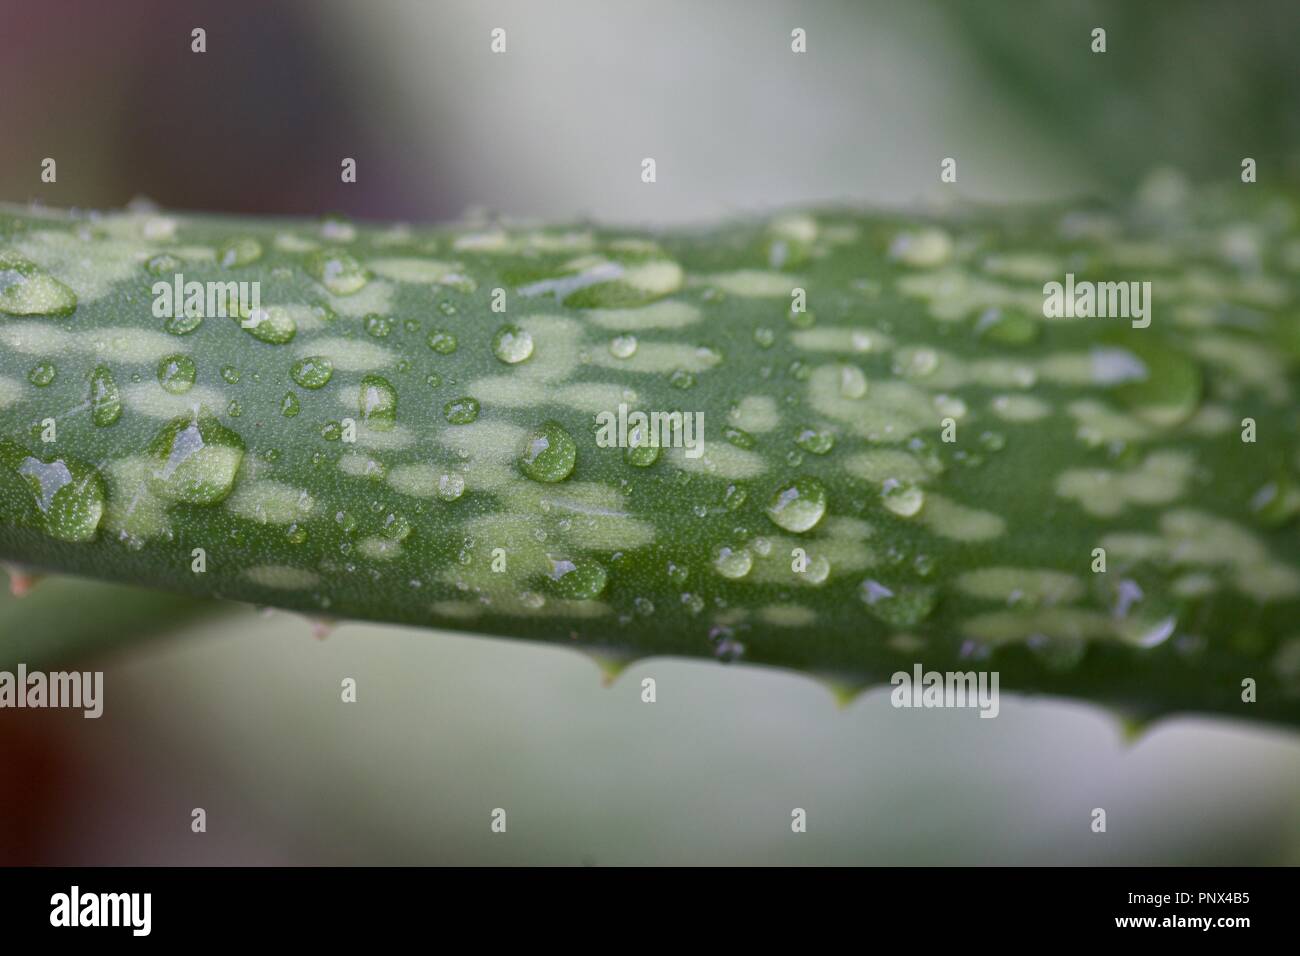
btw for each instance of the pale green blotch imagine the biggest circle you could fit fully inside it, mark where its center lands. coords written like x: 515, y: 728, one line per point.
x: 952, y: 520
x: 754, y: 283
x: 379, y: 549
x: 841, y: 341
x: 417, y: 271
x: 1160, y: 479
x: 347, y: 355
x: 135, y: 514
x: 10, y: 391
x: 1030, y: 587
x: 270, y: 502
x: 1019, y: 408
x: 757, y: 414
x: 282, y: 578
x: 787, y: 615
x: 657, y: 315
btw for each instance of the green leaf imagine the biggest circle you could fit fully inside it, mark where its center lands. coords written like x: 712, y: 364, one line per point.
x: 423, y: 426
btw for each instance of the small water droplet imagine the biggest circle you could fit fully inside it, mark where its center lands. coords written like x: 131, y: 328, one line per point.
x: 274, y: 326
x: 378, y: 403
x: 230, y: 374
x: 680, y: 378
x: 678, y: 573
x: 42, y: 374
x: 461, y: 411
x: 903, y: 499
x: 799, y: 505
x: 377, y: 326
x: 450, y: 487
x: 176, y: 374
x: 640, y: 453
x: 240, y: 251
x: 739, y: 437
x: 163, y: 264
x: 337, y: 271
x: 314, y: 371
x: 512, y: 345
x: 234, y: 409
x: 396, y: 527
x: 734, y: 496
x: 183, y: 323
x: 1007, y: 326
x: 853, y: 384
x: 898, y: 605
x: 622, y: 346
x: 577, y: 580
x: 818, y: 441
x: 105, y: 399
x: 442, y: 341
x: 764, y: 336
x: 733, y: 563
x: 289, y: 406
x: 550, y: 453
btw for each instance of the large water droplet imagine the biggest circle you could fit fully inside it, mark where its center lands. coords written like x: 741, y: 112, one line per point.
x: 314, y: 371
x: 195, y: 460
x: 27, y: 289
x: 105, y: 398
x: 378, y: 403
x: 176, y: 374
x: 512, y: 344
x: 69, y: 493
x: 337, y: 271
x: 577, y: 580
x: 799, y: 505
x: 550, y: 453
x: 640, y: 452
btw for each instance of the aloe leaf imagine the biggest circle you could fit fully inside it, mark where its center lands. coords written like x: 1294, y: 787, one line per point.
x: 406, y: 427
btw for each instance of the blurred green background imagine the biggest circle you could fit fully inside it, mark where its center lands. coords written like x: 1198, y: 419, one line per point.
x: 238, y: 712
